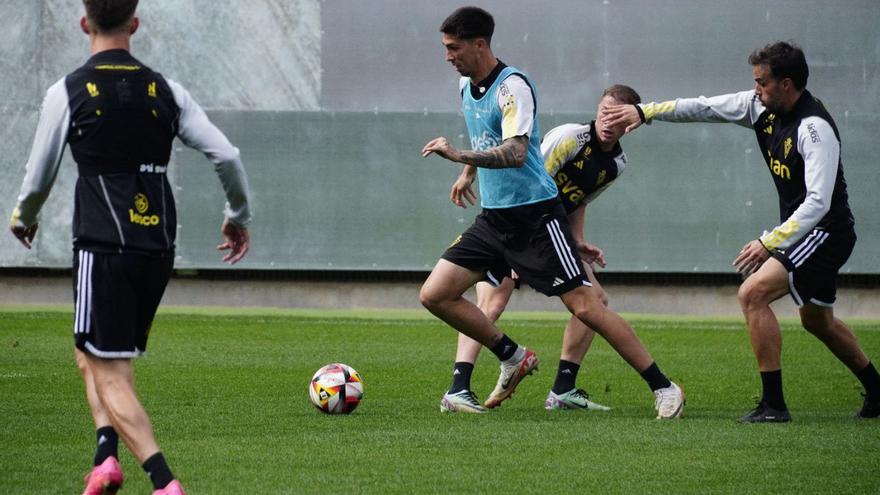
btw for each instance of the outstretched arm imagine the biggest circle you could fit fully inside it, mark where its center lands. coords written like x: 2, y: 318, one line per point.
x: 510, y: 154
x: 741, y: 108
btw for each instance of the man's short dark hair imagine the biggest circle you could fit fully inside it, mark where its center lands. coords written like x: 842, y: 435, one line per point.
x: 468, y: 23
x: 622, y: 93
x: 784, y: 60
x: 109, y: 15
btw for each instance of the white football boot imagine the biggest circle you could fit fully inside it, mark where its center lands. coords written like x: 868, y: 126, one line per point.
x: 511, y: 375
x: 669, y: 402
x: 463, y: 401
x: 577, y: 399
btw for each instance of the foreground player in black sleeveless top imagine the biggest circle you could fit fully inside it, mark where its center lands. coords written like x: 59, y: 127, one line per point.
x: 119, y: 119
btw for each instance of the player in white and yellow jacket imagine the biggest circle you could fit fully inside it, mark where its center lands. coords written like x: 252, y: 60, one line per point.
x: 802, y: 255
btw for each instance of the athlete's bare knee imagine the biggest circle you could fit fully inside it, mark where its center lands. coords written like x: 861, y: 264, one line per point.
x: 585, y: 306
x: 587, y: 317
x: 752, y: 296
x: 816, y: 326
x: 110, y: 376
x: 106, y: 383
x: 427, y: 297
x: 819, y: 321
x: 431, y: 298
x: 590, y: 313
x: 493, y: 311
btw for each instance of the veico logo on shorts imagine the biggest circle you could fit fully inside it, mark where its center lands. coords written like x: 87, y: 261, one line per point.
x: 142, y: 204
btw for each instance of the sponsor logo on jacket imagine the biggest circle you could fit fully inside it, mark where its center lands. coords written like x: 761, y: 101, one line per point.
x: 138, y: 214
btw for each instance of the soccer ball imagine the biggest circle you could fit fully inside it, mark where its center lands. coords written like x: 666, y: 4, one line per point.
x: 336, y: 389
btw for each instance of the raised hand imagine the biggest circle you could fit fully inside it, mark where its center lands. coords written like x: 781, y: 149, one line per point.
x: 614, y: 115
x: 441, y: 147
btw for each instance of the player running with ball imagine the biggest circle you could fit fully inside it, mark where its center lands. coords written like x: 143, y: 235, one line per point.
x: 523, y: 224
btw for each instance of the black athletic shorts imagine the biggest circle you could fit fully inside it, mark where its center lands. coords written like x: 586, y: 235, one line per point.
x: 813, y: 263
x: 115, y: 297
x: 534, y: 240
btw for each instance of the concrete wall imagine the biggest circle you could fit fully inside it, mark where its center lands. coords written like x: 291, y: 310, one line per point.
x: 331, y: 101
x: 331, y: 295
x: 256, y: 55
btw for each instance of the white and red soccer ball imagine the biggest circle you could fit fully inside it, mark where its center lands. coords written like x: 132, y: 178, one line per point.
x: 336, y: 389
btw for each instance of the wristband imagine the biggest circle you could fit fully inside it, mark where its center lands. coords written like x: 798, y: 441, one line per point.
x: 641, y: 113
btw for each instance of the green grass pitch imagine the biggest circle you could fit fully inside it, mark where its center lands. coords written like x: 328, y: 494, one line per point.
x: 227, y: 394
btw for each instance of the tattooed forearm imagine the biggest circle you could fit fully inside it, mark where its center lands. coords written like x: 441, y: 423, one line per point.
x: 511, y: 154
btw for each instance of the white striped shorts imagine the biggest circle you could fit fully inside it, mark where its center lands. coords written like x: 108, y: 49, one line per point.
x: 813, y: 264
x: 534, y: 240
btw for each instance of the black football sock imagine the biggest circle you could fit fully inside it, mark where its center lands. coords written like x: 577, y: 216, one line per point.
x: 158, y: 471
x: 870, y: 380
x: 655, y: 378
x: 772, y: 384
x: 108, y: 444
x: 566, y: 375
x: 505, y: 348
x: 461, y: 377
